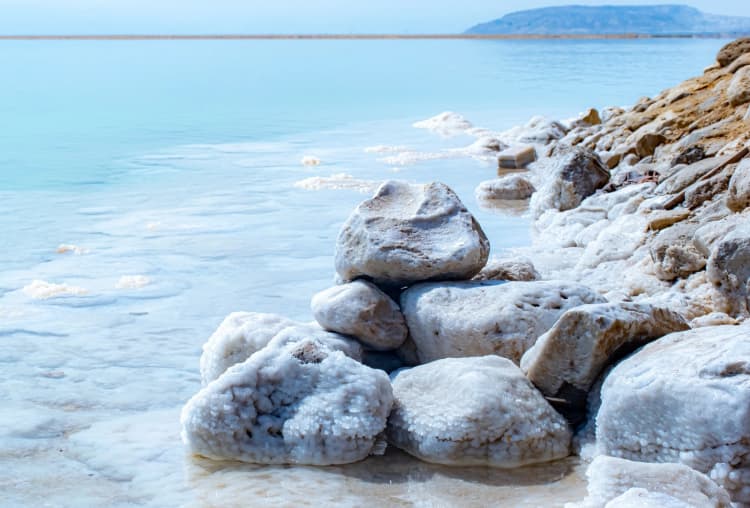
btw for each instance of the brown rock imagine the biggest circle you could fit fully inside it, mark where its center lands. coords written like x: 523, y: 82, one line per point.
x: 591, y: 117
x: 647, y: 144
x: 517, y: 157
x: 664, y: 218
x: 733, y: 51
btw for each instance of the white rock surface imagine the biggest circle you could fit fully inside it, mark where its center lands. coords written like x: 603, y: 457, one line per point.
x: 684, y: 398
x: 362, y: 310
x: 463, y: 319
x: 510, y: 187
x: 739, y: 88
x: 677, y: 485
x: 728, y: 269
x: 242, y: 334
x: 293, y: 402
x: 509, y: 270
x: 474, y: 411
x: 738, y: 197
x: 408, y: 233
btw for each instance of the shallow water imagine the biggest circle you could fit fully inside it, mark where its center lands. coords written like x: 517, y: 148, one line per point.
x: 177, y: 165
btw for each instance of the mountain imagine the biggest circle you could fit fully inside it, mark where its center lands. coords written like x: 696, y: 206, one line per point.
x: 610, y: 19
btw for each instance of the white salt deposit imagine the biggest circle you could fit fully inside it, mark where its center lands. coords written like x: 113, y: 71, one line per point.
x: 337, y: 181
x: 133, y: 282
x: 43, y: 290
x: 65, y: 248
x: 447, y: 123
x: 310, y: 160
x: 386, y: 149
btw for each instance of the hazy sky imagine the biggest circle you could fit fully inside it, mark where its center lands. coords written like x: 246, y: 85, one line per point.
x: 279, y: 16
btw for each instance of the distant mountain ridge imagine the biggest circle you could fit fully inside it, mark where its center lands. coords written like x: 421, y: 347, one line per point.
x: 611, y: 19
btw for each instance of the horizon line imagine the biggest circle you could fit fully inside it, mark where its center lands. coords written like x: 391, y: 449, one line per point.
x: 123, y: 37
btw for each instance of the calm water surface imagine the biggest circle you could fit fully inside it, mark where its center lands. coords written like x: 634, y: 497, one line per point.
x: 175, y: 164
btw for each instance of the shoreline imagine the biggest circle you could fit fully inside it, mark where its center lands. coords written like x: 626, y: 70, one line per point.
x: 199, y: 37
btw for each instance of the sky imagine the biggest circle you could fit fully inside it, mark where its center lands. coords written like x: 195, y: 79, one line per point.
x: 280, y: 16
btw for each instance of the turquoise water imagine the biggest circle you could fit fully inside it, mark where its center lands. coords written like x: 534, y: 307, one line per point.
x: 177, y: 166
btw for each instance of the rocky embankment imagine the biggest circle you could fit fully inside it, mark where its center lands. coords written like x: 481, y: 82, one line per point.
x: 620, y: 332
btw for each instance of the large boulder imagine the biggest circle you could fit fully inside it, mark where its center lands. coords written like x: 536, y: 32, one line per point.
x: 729, y: 269
x: 576, y: 174
x: 684, y: 398
x: 738, y: 92
x: 732, y: 51
x: 460, y: 319
x: 363, y: 311
x: 615, y: 482
x: 474, y: 412
x: 408, y: 233
x: 738, y: 197
x: 510, y: 187
x: 674, y: 252
x: 293, y: 402
x: 565, y: 361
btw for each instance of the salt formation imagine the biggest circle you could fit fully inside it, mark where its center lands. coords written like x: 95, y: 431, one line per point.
x: 43, y: 290
x: 508, y: 269
x: 362, y: 310
x: 617, y: 482
x: 684, y: 398
x: 513, y: 187
x: 294, y: 402
x: 459, y: 319
x: 408, y: 233
x: 474, y: 411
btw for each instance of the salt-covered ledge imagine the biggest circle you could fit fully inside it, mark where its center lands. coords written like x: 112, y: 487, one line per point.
x: 579, y: 343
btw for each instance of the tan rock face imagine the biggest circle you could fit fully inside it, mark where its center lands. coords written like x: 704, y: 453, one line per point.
x: 517, y: 157
x: 664, y: 218
x: 733, y: 51
x: 588, y: 338
x: 738, y: 92
x: 408, y: 233
x: 648, y: 143
x: 738, y: 197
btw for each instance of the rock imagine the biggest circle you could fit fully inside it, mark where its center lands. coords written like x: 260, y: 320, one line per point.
x: 611, y: 112
x: 661, y: 219
x: 542, y: 130
x: 239, y: 336
x: 648, y: 143
x: 690, y: 156
x: 686, y: 176
x: 713, y: 319
x: 612, y: 478
x: 577, y: 174
x: 517, y: 157
x: 408, y: 233
x: 684, y: 398
x: 741, y: 62
x: 363, y: 311
x: 675, y: 254
x: 474, y: 412
x: 738, y: 92
x: 732, y: 51
x: 463, y: 319
x: 642, y: 498
x: 508, y: 270
x: 713, y: 231
x: 729, y: 269
x: 738, y: 197
x: 290, y: 403
x: 508, y: 187
x: 566, y: 360
x: 707, y: 189
x: 591, y: 117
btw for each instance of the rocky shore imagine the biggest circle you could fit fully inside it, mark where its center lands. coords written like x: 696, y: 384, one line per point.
x: 618, y: 335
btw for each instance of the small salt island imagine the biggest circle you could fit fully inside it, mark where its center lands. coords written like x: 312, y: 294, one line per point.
x: 619, y: 335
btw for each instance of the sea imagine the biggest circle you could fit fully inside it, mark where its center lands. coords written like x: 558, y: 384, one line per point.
x: 150, y: 188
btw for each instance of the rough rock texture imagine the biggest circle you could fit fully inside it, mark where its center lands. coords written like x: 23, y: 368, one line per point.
x: 408, y: 233
x: 738, y: 197
x: 508, y: 270
x: 662, y: 219
x: 612, y: 478
x: 567, y: 359
x: 684, y: 398
x: 577, y: 174
x: 299, y: 402
x: 739, y: 89
x: 687, y: 175
x: 729, y: 269
x: 517, y: 157
x: 646, y: 144
x: 362, y: 310
x: 705, y: 190
x: 674, y: 253
x: 239, y: 336
x: 474, y: 411
x: 732, y: 51
x: 463, y: 319
x: 512, y: 187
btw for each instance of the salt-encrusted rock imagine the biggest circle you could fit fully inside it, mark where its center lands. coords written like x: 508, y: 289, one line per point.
x: 729, y: 268
x: 684, y: 398
x: 363, y: 311
x: 707, y: 189
x: 239, y: 336
x: 686, y: 176
x: 612, y: 478
x: 542, y: 130
x: 662, y: 219
x: 517, y: 157
x: 690, y: 155
x: 733, y: 50
x: 642, y: 498
x: 408, y: 233
x: 507, y: 187
x: 566, y: 360
x: 577, y: 174
x: 739, y: 89
x: 738, y: 197
x: 509, y: 270
x: 298, y: 402
x: 474, y: 412
x: 674, y: 253
x: 463, y: 319
x: 711, y: 232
